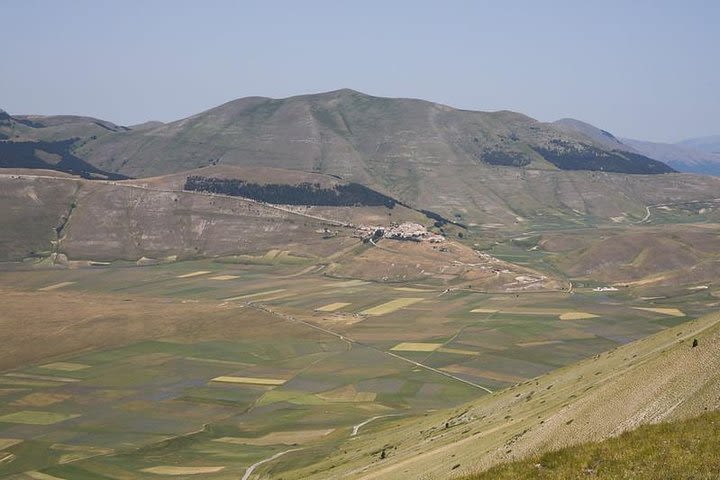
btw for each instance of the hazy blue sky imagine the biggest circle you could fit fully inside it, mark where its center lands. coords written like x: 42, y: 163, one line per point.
x: 644, y: 69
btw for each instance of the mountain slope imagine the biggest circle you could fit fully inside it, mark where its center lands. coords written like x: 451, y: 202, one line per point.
x: 659, y: 378
x: 601, y: 137
x: 684, y: 449
x: 372, y: 140
x: 683, y: 158
x: 709, y: 144
x: 49, y: 143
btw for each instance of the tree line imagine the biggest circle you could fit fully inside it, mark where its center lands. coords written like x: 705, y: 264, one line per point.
x: 306, y: 193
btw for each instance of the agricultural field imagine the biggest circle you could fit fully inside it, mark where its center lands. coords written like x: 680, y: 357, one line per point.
x: 216, y: 369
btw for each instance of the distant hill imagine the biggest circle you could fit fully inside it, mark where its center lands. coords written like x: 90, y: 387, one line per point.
x: 49, y: 142
x: 681, y: 157
x: 709, y: 144
x: 372, y: 140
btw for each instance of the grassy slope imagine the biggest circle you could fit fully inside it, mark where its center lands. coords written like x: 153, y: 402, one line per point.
x: 681, y: 449
x: 655, y: 379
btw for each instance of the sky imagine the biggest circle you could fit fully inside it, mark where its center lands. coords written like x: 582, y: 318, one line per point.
x: 639, y: 69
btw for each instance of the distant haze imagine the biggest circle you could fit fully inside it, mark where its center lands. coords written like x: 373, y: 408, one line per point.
x: 641, y: 69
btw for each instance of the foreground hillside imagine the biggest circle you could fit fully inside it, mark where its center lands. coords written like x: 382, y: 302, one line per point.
x: 656, y: 379
x: 685, y: 449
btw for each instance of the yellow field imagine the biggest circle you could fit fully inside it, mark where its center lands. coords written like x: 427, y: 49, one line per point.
x: 39, y: 399
x: 577, y: 316
x: 673, y: 312
x: 65, y: 366
x: 9, y: 442
x: 416, y: 347
x: 253, y: 295
x: 249, y: 380
x: 483, y: 310
x: 411, y: 289
x: 391, y: 306
x: 224, y: 277
x: 33, y: 417
x: 278, y: 438
x: 56, y: 286
x: 194, y: 274
x: 332, y: 307
x: 172, y: 470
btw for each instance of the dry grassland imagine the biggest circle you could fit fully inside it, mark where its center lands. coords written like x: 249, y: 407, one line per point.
x: 173, y: 470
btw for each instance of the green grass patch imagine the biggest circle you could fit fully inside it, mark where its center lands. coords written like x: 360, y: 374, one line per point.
x: 36, y: 417
x: 688, y: 449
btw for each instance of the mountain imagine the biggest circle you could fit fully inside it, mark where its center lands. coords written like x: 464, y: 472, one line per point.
x: 681, y: 156
x: 48, y: 142
x: 709, y: 144
x: 382, y: 142
x: 602, y: 137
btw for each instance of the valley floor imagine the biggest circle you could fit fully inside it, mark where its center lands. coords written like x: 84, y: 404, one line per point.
x: 242, y: 370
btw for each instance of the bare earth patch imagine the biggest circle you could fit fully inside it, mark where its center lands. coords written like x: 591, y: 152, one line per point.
x: 55, y: 286
x: 194, y: 274
x: 249, y: 380
x: 224, y: 277
x: 577, y: 316
x: 65, y: 366
x: 172, y: 470
x: 278, y: 438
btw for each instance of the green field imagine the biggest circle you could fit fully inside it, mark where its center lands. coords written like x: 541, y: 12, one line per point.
x: 286, y: 357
